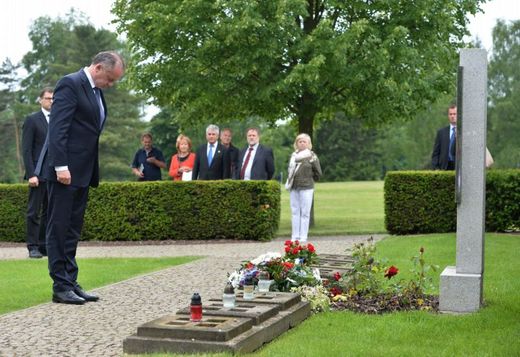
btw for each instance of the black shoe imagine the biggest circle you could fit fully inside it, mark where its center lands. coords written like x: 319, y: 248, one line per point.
x: 67, y: 297
x: 88, y: 297
x: 43, y: 251
x: 35, y: 253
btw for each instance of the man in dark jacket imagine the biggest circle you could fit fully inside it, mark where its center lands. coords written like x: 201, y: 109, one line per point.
x: 33, y: 138
x: 211, y: 158
x: 71, y: 166
x: 444, y: 149
x: 256, y: 161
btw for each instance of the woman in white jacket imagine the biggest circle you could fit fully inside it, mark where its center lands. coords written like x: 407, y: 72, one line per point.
x: 304, y: 170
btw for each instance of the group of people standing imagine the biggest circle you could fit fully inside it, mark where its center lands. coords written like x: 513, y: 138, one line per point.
x: 60, y: 150
x: 212, y: 160
x: 215, y: 160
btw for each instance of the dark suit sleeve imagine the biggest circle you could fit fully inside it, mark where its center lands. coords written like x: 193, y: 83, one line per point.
x: 436, y: 154
x: 196, y: 166
x: 28, y: 133
x: 63, y: 112
x: 226, y: 160
x: 269, y: 163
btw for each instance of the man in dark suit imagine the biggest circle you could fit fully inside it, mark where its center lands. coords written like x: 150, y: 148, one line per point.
x: 33, y: 137
x: 444, y: 149
x: 226, y: 135
x: 256, y: 161
x: 212, y: 158
x: 71, y: 166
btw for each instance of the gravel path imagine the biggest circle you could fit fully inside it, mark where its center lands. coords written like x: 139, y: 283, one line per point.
x: 98, y: 329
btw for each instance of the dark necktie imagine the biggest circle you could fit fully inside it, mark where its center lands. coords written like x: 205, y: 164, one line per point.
x: 210, y: 154
x: 97, y: 92
x: 451, y: 149
x: 243, y: 170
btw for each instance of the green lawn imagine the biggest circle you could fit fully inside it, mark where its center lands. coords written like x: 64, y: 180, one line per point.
x: 341, y: 208
x: 34, y: 286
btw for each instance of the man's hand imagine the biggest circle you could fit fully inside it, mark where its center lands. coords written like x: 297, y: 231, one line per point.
x: 33, y: 181
x: 63, y: 177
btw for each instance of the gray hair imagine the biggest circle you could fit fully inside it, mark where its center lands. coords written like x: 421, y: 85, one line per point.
x: 212, y: 128
x: 109, y: 59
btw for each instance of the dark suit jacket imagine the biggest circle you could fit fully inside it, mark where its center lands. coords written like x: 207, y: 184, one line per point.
x: 33, y: 138
x: 233, y: 159
x: 263, y: 163
x: 74, y: 130
x: 441, y: 149
x: 220, y: 165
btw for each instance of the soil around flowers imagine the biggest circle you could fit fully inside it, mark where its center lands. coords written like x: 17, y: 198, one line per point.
x: 383, y: 303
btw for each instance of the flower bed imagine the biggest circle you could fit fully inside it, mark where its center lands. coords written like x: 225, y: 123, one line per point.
x: 369, y: 286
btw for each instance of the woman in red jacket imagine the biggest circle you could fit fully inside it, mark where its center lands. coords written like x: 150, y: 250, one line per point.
x: 182, y: 162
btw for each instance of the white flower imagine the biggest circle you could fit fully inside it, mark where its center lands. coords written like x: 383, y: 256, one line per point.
x: 267, y: 257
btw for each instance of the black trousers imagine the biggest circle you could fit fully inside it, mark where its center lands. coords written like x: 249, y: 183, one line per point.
x: 66, y: 210
x: 36, y: 218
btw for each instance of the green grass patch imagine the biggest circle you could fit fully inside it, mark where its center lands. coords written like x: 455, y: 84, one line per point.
x: 341, y: 208
x: 25, y: 283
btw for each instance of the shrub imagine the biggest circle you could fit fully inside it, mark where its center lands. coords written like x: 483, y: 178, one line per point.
x: 424, y: 201
x: 163, y: 210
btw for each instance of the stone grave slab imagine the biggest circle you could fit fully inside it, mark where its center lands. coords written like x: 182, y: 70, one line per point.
x: 328, y: 272
x: 211, y: 328
x: 246, y: 342
x: 285, y: 300
x: 257, y: 312
x: 335, y: 257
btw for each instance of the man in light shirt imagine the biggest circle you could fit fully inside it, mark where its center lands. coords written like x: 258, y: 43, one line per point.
x: 256, y: 161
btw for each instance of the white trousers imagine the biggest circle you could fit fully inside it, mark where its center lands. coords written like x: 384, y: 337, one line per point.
x: 301, y: 202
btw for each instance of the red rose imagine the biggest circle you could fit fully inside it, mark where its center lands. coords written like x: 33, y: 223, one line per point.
x: 337, y: 276
x: 295, y: 250
x: 296, y: 242
x: 249, y: 265
x: 311, y: 248
x: 288, y: 265
x: 287, y: 242
x: 335, y: 291
x: 390, y: 272
x: 287, y: 249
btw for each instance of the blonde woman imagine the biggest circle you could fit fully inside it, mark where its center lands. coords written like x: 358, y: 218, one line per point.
x: 304, y: 170
x: 182, y: 162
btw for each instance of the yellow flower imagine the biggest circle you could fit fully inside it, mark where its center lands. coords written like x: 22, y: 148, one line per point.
x: 420, y: 302
x: 339, y: 298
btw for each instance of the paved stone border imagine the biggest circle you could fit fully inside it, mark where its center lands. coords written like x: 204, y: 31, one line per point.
x: 98, y: 329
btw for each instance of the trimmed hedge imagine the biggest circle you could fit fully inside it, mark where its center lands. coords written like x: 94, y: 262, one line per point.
x: 424, y: 201
x: 163, y: 210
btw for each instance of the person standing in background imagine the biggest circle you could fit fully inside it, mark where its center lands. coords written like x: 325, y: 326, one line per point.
x: 211, y: 158
x: 148, y: 161
x: 256, y: 161
x: 226, y: 135
x: 304, y: 170
x: 182, y: 163
x: 34, y: 133
x: 444, y: 149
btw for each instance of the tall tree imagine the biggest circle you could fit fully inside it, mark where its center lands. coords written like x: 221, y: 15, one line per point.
x: 65, y: 45
x: 10, y: 124
x: 297, y: 59
x: 504, y: 80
